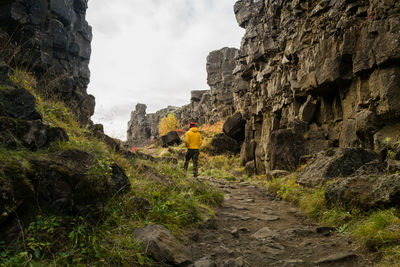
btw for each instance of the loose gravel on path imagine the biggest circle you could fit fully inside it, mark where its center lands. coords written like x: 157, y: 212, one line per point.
x: 253, y: 228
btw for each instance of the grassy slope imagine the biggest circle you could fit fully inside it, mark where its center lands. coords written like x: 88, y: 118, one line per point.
x: 63, y: 240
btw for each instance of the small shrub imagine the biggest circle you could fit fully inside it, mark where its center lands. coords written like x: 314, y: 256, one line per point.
x: 168, y: 124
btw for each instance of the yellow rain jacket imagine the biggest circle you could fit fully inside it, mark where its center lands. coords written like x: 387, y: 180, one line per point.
x: 193, y: 139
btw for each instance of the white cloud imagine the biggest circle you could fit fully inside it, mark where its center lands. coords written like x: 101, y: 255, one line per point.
x: 153, y: 52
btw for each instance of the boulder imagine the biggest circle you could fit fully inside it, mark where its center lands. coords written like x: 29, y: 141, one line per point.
x: 286, y: 150
x: 65, y: 183
x: 170, y: 139
x: 159, y: 243
x: 334, y: 163
x: 250, y: 168
x: 31, y: 134
x: 18, y: 103
x: 35, y: 134
x: 222, y: 143
x: 234, y: 127
x: 120, y: 182
x: 376, y: 167
x: 364, y: 192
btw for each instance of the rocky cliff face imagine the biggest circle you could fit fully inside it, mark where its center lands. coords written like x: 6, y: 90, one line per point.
x: 317, y: 74
x: 309, y: 76
x: 142, y: 127
x: 206, y: 106
x: 51, y: 39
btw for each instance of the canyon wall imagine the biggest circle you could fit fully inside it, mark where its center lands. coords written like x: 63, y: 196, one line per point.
x: 309, y: 76
x: 312, y: 75
x: 51, y: 39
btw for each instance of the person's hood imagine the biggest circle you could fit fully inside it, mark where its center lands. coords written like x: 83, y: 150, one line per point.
x: 194, y: 129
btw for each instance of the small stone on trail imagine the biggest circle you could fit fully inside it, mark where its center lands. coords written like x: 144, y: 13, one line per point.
x: 205, y: 262
x: 235, y: 232
x: 269, y: 218
x: 343, y: 256
x: 293, y: 262
x: 325, y: 230
x: 226, y: 251
x: 300, y: 231
x: 244, y: 229
x: 265, y: 232
x: 239, y: 207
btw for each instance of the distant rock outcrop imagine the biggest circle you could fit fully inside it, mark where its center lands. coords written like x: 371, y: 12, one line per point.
x: 51, y: 38
x: 206, y: 106
x: 142, y: 127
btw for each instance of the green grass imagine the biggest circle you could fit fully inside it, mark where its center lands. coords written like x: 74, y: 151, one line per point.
x: 53, y: 240
x: 377, y: 231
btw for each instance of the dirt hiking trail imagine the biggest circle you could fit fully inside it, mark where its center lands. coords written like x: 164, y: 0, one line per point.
x: 253, y: 228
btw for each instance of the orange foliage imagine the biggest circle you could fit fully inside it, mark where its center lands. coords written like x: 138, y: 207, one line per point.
x: 211, y: 130
x: 134, y: 149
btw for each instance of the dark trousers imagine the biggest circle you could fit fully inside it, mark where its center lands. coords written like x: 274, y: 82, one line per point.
x: 192, y: 154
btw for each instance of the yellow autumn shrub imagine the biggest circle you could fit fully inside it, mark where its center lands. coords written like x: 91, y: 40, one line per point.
x: 168, y: 124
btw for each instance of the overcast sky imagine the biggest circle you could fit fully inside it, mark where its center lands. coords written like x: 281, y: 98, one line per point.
x: 153, y: 52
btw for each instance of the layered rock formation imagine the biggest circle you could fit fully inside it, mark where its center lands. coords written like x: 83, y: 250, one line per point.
x: 310, y: 76
x: 143, y: 127
x: 51, y: 39
x: 206, y: 106
x: 317, y: 74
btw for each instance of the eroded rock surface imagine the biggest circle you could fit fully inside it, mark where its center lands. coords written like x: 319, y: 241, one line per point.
x: 52, y: 39
x: 330, y: 65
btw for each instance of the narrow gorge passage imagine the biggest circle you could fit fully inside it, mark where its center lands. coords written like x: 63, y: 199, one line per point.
x: 253, y: 228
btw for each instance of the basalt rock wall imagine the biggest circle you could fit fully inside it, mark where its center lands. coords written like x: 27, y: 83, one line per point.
x: 143, y: 127
x: 206, y: 106
x: 51, y: 39
x: 317, y: 74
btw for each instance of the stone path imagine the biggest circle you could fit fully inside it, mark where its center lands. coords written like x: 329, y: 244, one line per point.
x: 252, y: 228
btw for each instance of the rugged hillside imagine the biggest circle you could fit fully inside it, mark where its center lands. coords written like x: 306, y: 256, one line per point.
x: 50, y: 38
x: 206, y: 106
x: 317, y: 74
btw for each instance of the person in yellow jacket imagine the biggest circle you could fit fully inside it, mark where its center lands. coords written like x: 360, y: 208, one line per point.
x: 193, y: 142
